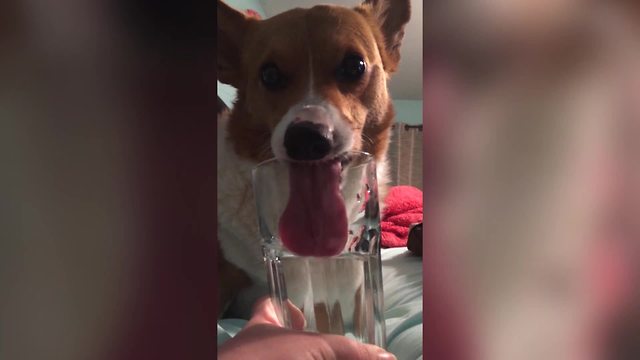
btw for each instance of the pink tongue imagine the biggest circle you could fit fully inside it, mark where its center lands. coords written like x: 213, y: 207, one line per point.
x: 315, y: 220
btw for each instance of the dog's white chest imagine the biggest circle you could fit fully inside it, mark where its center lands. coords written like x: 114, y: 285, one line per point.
x: 237, y: 225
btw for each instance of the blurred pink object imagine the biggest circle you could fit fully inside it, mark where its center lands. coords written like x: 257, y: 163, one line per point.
x: 254, y: 14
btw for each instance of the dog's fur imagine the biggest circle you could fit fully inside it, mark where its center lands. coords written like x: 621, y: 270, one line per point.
x: 307, y: 44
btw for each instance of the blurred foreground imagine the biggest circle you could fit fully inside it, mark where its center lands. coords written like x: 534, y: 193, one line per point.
x: 107, y: 185
x: 532, y: 178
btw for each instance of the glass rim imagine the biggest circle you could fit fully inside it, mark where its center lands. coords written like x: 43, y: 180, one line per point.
x: 367, y: 158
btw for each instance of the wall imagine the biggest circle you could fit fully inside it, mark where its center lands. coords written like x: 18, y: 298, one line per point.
x: 408, y: 111
x: 246, y: 4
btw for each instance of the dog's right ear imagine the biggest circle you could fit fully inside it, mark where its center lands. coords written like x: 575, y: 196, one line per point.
x: 232, y: 26
x: 392, y: 16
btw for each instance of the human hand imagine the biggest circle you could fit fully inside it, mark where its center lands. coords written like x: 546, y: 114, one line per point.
x: 265, y: 338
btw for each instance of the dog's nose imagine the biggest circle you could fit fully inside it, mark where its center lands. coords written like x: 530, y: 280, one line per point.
x: 307, y: 141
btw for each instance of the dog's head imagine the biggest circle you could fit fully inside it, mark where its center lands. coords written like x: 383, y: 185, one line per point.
x: 311, y: 82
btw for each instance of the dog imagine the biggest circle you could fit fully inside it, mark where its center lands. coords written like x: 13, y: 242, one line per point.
x: 312, y: 86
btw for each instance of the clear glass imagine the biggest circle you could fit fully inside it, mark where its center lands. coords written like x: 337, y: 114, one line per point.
x: 340, y: 294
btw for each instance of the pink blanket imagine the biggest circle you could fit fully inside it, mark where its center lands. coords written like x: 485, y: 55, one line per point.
x: 403, y: 208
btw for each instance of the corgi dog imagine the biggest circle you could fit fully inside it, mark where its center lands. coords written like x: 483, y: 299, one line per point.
x: 311, y: 87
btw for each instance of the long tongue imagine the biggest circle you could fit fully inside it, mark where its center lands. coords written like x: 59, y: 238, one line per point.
x: 314, y: 222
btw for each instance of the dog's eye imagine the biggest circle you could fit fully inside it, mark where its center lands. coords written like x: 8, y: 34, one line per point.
x: 271, y: 77
x: 351, y: 68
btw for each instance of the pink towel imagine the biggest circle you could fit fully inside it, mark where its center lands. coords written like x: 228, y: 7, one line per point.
x: 403, y: 208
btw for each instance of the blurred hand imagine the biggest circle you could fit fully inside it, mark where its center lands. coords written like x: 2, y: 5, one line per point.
x: 265, y: 338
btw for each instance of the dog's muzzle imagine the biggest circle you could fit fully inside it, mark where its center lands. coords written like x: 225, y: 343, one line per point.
x: 310, y: 136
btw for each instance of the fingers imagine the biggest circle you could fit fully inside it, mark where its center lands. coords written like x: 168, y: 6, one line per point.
x: 298, y: 321
x: 343, y: 348
x: 336, y: 347
x: 264, y: 313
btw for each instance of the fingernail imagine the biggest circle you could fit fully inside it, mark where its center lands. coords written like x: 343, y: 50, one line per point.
x: 386, y: 356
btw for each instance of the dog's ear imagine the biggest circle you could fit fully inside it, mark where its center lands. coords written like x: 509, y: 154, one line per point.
x: 392, y: 16
x: 232, y: 27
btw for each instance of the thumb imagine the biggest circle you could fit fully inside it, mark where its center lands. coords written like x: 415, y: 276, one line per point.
x: 343, y: 348
x: 264, y: 312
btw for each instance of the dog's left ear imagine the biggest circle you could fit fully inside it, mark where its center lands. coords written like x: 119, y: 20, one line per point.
x: 392, y: 15
x: 232, y: 26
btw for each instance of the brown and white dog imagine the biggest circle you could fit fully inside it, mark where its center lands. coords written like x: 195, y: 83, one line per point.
x: 312, y: 85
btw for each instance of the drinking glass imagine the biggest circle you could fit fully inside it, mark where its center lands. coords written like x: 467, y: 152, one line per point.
x: 329, y: 266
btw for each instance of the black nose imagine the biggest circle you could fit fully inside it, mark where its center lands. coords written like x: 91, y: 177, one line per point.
x: 307, y: 141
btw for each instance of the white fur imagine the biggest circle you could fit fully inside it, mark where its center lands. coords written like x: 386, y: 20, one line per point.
x: 237, y: 225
